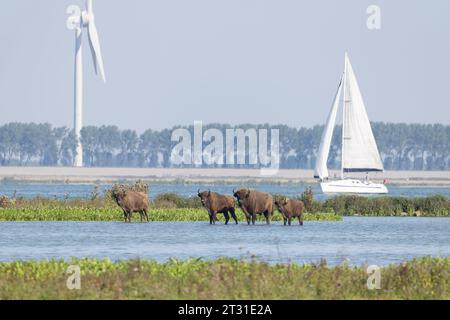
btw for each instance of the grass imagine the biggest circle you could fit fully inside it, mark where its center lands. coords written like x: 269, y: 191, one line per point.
x: 67, y: 213
x: 425, y: 278
x: 431, y: 206
x: 165, y: 207
x: 173, y: 207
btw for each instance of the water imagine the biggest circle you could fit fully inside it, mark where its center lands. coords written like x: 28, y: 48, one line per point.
x: 357, y: 240
x: 62, y: 190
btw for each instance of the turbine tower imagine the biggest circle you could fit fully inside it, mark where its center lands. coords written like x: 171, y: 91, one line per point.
x: 78, y: 21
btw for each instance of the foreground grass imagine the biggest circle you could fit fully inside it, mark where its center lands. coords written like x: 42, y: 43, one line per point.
x: 426, y: 278
x: 63, y: 213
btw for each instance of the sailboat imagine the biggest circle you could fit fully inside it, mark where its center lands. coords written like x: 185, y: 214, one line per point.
x: 359, y: 149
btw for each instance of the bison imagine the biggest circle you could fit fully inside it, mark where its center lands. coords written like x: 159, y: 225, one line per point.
x: 131, y: 201
x: 216, y: 203
x: 253, y: 202
x: 289, y: 209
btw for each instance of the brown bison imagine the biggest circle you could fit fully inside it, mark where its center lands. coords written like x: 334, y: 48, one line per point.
x: 253, y: 202
x: 289, y: 209
x: 131, y: 201
x: 216, y: 203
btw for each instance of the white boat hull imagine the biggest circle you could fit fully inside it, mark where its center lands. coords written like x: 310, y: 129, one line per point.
x: 353, y: 186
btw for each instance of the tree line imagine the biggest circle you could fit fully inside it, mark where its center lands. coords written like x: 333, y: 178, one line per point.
x: 402, y: 146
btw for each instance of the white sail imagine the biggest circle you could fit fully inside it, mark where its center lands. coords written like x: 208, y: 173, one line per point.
x: 360, y: 152
x: 321, y: 170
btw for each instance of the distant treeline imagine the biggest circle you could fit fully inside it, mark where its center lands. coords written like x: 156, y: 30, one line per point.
x: 402, y: 146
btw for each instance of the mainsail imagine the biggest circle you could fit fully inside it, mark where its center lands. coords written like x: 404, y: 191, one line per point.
x: 321, y: 170
x: 360, y: 152
x: 359, y: 149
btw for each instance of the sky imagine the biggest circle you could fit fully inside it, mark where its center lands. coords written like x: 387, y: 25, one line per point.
x: 172, y: 62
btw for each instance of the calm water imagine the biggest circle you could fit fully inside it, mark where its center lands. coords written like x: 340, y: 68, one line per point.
x: 358, y: 240
x: 61, y: 190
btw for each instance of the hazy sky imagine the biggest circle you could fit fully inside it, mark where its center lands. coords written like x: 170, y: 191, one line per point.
x: 175, y: 61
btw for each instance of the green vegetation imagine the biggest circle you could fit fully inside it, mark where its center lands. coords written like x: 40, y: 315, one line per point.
x: 433, y: 206
x: 165, y: 207
x: 402, y: 146
x: 173, y: 207
x: 425, y: 278
x: 67, y: 213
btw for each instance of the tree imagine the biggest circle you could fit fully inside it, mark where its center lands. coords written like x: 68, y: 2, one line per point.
x: 402, y: 146
x: 128, y: 148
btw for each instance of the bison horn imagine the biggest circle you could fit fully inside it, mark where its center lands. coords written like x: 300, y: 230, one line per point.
x: 233, y: 191
x: 198, y: 191
x: 209, y: 192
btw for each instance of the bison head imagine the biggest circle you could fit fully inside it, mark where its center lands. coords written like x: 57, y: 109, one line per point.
x: 280, y: 203
x: 118, y: 193
x: 204, y: 196
x: 241, y: 194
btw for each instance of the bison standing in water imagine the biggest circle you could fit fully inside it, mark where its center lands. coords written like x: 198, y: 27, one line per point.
x: 253, y: 202
x: 216, y: 203
x: 291, y: 209
x: 131, y: 201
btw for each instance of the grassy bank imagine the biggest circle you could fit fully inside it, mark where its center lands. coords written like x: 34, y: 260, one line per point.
x: 432, y: 206
x: 172, y: 207
x: 64, y: 213
x: 165, y: 207
x: 426, y: 278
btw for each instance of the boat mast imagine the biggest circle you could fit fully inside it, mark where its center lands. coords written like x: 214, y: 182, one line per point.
x: 343, y: 116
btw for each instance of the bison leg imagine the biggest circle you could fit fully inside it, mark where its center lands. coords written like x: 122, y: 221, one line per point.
x: 142, y: 215
x: 210, y: 217
x: 214, y: 217
x: 289, y: 220
x: 267, y: 216
x: 253, y: 218
x: 227, y: 217
x: 300, y: 219
x: 125, y: 215
x: 247, y: 215
x: 284, y: 220
x: 233, y: 215
x: 146, y: 215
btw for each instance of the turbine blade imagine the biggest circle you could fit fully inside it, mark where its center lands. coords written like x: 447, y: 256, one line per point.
x: 95, y: 49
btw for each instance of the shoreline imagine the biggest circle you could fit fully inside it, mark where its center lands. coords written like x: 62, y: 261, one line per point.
x: 169, y: 207
x: 194, y: 175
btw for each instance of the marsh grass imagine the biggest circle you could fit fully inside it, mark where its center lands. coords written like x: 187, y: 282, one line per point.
x: 425, y: 278
x: 165, y: 207
x: 68, y: 213
x: 431, y: 206
x: 173, y: 207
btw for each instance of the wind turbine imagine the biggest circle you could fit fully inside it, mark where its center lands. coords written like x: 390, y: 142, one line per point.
x: 78, y: 21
